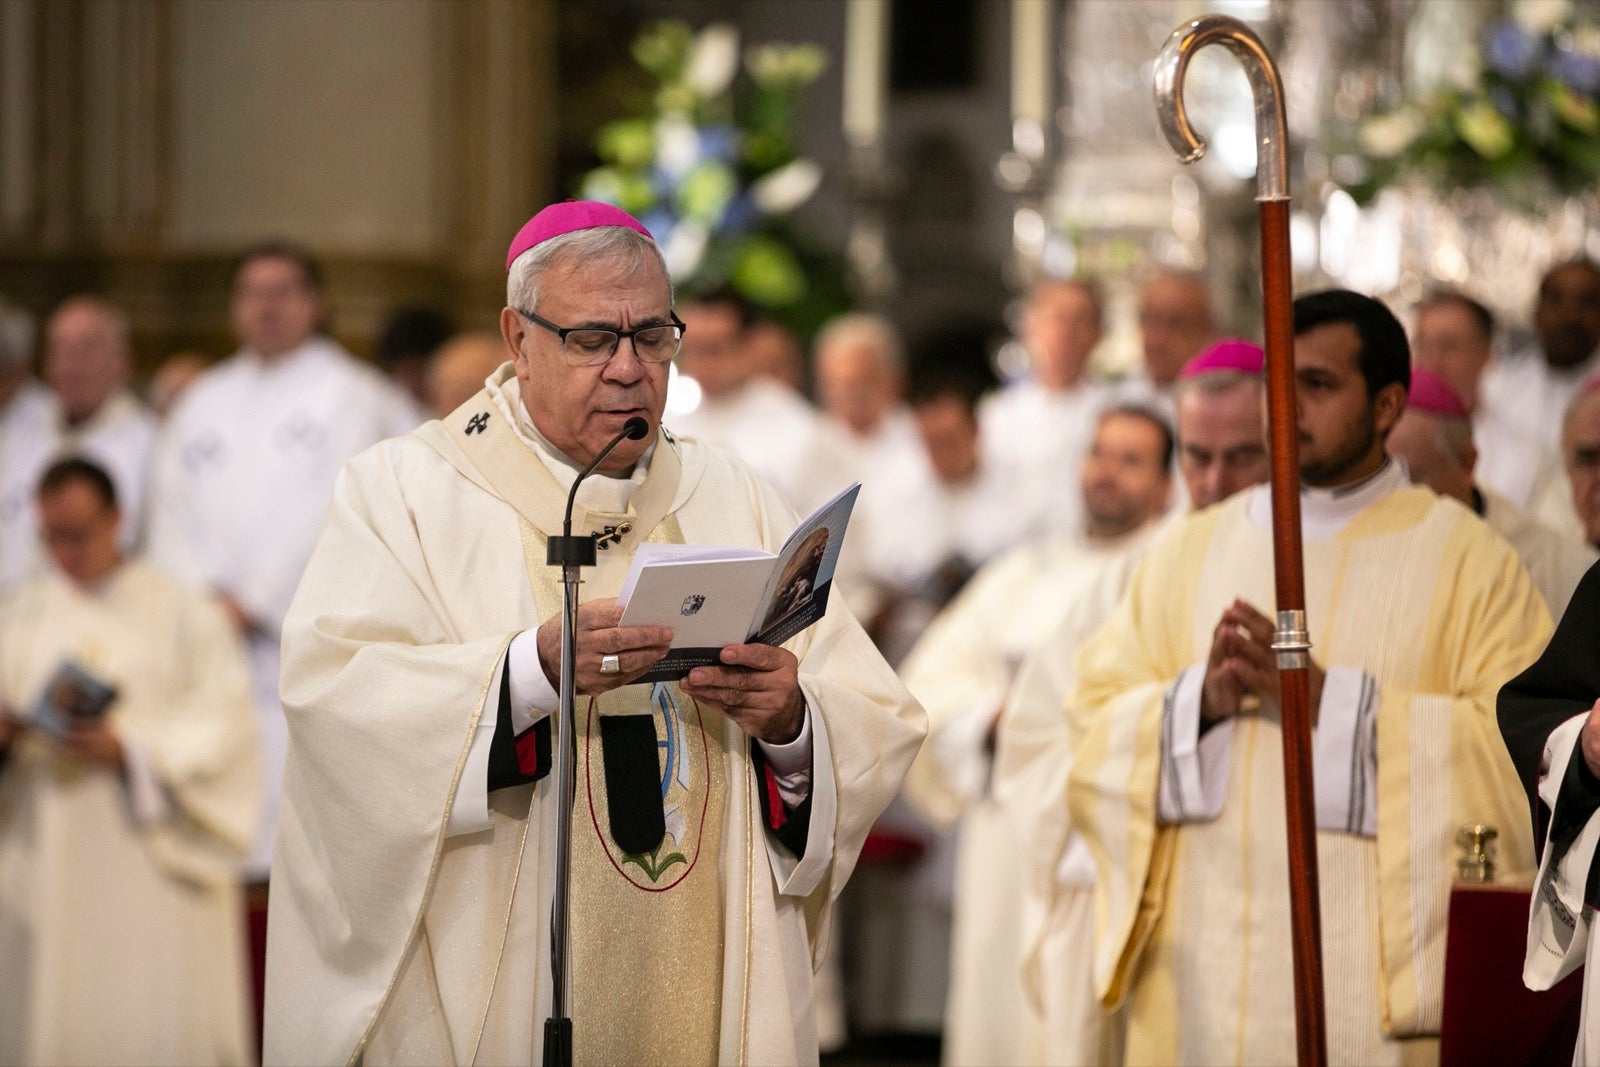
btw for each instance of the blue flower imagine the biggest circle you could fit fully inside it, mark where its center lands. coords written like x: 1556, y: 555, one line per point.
x: 1577, y: 71
x: 741, y: 213
x: 660, y: 224
x: 719, y: 143
x: 1510, y: 51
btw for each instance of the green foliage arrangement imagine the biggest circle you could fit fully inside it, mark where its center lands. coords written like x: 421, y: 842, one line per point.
x: 712, y: 168
x: 1522, y: 118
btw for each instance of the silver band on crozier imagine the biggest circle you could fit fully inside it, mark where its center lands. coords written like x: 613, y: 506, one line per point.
x: 610, y: 664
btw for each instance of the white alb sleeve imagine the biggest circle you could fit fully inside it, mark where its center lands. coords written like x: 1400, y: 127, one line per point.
x: 532, y: 695
x: 1194, y: 769
x: 148, y: 802
x: 962, y: 750
x: 1345, y: 753
x: 791, y: 764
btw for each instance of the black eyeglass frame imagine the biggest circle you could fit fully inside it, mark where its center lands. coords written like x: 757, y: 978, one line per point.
x: 617, y: 336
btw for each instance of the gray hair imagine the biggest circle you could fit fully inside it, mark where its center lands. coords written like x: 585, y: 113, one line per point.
x: 16, y: 337
x: 862, y: 328
x: 1219, y: 381
x: 629, y: 249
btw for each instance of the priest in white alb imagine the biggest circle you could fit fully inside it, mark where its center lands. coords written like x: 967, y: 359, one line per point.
x: 716, y: 818
x: 121, y: 934
x: 765, y: 423
x: 961, y: 670
x: 1037, y: 428
x: 89, y: 412
x: 1418, y: 613
x: 245, y: 466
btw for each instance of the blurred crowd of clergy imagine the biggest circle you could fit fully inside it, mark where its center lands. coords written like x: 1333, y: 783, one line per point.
x: 1068, y: 569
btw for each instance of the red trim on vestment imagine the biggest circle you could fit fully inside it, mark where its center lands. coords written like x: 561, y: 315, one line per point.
x: 777, y: 815
x: 528, y: 752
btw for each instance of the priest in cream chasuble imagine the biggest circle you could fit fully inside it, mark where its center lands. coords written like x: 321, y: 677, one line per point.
x: 716, y: 818
x: 1418, y: 613
x: 122, y: 837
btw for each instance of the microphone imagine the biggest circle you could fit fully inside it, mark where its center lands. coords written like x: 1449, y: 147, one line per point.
x: 567, y: 550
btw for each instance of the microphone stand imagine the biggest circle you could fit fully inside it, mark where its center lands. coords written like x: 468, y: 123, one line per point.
x: 571, y: 554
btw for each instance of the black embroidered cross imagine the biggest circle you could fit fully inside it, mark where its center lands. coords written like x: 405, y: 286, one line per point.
x: 478, y: 423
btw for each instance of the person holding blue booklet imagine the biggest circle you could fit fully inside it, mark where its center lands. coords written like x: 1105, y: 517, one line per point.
x: 129, y: 789
x: 717, y: 817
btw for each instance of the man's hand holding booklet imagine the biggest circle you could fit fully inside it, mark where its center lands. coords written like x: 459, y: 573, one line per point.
x: 715, y: 596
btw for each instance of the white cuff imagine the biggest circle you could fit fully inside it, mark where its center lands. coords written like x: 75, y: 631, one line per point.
x: 960, y: 751
x: 532, y: 695
x: 1077, y: 863
x: 1194, y: 769
x: 1345, y: 753
x: 147, y: 797
x: 791, y: 764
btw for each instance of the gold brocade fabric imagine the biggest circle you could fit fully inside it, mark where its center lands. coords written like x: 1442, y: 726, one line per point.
x: 646, y: 934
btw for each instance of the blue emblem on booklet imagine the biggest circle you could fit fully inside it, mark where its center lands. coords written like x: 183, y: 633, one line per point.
x: 72, y: 693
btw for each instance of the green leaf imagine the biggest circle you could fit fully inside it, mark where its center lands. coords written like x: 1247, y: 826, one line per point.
x: 627, y: 142
x: 663, y: 48
x: 705, y: 192
x: 768, y: 273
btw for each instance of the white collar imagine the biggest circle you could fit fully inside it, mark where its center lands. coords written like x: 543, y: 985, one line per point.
x: 1324, y: 512
x: 604, y: 494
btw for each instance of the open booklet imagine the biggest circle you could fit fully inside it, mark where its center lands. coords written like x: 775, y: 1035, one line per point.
x: 73, y: 693
x: 715, y: 596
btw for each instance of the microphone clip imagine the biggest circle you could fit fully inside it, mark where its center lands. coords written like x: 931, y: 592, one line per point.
x: 570, y: 550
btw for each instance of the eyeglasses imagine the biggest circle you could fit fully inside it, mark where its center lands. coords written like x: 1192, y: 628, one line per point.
x: 585, y: 346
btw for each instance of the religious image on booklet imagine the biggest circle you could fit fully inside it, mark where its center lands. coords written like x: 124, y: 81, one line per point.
x: 712, y: 597
x: 72, y: 693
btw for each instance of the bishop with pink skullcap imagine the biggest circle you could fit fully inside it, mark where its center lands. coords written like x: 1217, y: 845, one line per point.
x: 456, y: 630
x: 1431, y: 393
x: 1230, y: 356
x: 568, y: 217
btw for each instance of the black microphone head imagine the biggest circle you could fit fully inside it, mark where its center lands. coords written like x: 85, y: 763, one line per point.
x: 636, y: 428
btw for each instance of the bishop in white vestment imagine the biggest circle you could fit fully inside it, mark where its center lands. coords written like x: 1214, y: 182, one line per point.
x: 716, y: 818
